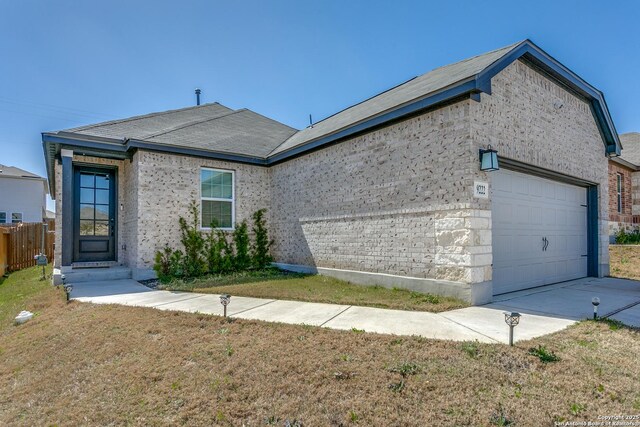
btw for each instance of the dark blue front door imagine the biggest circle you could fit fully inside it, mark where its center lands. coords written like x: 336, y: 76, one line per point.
x: 94, y: 214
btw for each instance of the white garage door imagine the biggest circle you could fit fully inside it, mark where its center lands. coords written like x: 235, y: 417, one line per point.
x: 539, y: 231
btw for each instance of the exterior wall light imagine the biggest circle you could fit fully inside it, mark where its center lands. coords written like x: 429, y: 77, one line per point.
x: 225, y: 299
x: 512, y: 319
x: 489, y: 159
x: 596, y: 302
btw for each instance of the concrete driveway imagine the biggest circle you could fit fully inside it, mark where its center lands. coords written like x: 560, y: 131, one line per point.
x: 544, y: 310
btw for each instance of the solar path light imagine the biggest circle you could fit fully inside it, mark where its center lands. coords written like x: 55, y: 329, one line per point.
x: 225, y: 299
x: 67, y: 291
x: 596, y: 302
x: 512, y: 319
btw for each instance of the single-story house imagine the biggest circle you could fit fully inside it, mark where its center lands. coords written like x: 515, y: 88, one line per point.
x: 23, y: 196
x: 624, y: 187
x: 389, y: 191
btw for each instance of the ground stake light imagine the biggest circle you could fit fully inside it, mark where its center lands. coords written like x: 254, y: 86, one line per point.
x: 596, y: 302
x: 512, y: 319
x: 225, y: 299
x: 67, y: 291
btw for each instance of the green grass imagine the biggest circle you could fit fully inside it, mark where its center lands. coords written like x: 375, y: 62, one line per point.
x: 277, y: 284
x: 23, y: 290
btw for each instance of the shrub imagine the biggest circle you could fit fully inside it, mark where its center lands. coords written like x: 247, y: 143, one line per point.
x: 161, y: 263
x: 214, y: 252
x: 193, y: 241
x: 260, y: 256
x: 168, y: 264
x: 628, y: 238
x: 242, y: 259
x: 227, y: 259
x: 213, y: 249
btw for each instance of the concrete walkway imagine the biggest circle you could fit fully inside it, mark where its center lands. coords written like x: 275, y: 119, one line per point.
x: 544, y: 310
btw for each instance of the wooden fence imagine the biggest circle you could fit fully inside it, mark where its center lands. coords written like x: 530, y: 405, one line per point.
x: 22, y: 242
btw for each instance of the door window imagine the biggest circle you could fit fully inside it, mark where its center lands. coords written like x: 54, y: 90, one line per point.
x: 94, y: 204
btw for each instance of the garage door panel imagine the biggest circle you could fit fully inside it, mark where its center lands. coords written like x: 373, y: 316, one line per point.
x: 527, y: 209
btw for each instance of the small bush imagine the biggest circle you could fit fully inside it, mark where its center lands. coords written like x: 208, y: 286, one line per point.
x: 227, y: 259
x: 193, y: 241
x: 242, y: 259
x: 161, y: 263
x: 628, y: 238
x: 168, y: 264
x: 543, y: 354
x: 260, y: 255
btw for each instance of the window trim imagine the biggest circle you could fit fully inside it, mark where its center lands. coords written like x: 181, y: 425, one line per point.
x: 6, y: 216
x: 619, y: 188
x: 21, y: 218
x: 219, y: 199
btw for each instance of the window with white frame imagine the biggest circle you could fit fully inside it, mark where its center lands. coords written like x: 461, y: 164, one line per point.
x: 16, y: 217
x: 3, y: 217
x: 217, y: 198
x: 619, y: 191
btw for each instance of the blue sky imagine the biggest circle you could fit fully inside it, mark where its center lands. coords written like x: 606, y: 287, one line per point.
x: 66, y: 63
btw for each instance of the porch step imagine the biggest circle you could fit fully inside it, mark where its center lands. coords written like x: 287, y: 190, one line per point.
x: 79, y: 275
x: 94, y: 264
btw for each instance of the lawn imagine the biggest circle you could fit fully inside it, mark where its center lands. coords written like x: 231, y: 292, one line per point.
x: 279, y: 284
x: 24, y: 290
x: 625, y: 261
x: 84, y: 364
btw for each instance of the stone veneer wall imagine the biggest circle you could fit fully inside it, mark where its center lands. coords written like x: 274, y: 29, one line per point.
x: 393, y: 201
x: 166, y: 185
x: 523, y: 120
x: 123, y: 197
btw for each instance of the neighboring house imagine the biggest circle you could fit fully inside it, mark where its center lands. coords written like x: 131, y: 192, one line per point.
x: 22, y: 196
x: 389, y: 191
x: 624, y: 186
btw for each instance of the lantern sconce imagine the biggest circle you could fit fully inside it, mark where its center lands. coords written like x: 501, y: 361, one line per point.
x: 489, y: 159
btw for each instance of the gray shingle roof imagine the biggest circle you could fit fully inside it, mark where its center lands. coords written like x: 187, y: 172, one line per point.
x: 242, y: 135
x: 211, y: 127
x: 631, y: 147
x: 14, y: 172
x: 412, y: 90
x: 239, y: 132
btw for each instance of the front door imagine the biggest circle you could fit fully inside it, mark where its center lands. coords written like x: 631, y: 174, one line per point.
x: 94, y: 214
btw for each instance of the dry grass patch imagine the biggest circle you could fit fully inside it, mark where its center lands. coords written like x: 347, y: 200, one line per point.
x: 277, y: 284
x: 625, y: 261
x: 83, y: 364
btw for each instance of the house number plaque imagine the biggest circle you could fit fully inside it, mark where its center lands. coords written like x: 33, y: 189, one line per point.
x: 481, y: 190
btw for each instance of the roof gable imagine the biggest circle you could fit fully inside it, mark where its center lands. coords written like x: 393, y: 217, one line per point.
x: 467, y: 77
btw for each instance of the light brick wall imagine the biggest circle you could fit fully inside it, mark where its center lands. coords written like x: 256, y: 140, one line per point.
x: 523, y: 121
x: 381, y: 202
x: 167, y: 184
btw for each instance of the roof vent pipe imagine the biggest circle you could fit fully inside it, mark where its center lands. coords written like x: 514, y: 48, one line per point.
x: 198, y: 91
